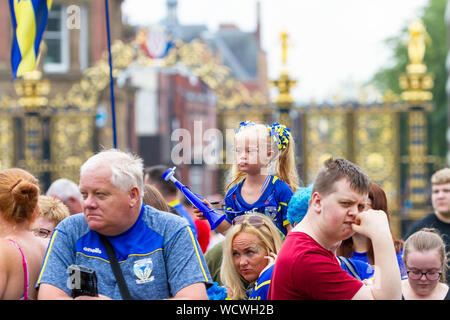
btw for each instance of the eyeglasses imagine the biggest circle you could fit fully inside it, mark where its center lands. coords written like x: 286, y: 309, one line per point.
x: 252, y: 220
x: 41, y: 232
x: 417, y: 274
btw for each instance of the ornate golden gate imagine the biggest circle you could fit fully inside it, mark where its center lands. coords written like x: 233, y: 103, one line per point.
x: 52, y: 136
x: 48, y: 137
x: 367, y: 135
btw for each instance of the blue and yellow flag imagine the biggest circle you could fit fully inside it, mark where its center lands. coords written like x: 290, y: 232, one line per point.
x: 29, y: 18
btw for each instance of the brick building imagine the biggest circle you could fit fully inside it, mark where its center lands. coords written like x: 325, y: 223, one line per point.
x: 75, y: 39
x: 151, y: 103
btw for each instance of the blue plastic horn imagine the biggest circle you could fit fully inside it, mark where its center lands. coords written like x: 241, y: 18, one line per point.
x: 214, y: 218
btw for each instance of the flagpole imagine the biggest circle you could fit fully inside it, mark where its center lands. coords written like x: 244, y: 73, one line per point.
x: 111, y: 80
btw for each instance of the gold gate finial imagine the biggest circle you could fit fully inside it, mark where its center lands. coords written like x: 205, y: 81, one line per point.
x: 418, y: 37
x: 284, y: 83
x: 284, y: 46
x: 416, y: 83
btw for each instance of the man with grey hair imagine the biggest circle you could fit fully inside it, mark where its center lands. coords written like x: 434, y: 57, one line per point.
x: 439, y: 219
x: 157, y: 252
x: 67, y: 191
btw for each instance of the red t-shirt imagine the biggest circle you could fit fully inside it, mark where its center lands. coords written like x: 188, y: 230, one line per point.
x: 304, y: 270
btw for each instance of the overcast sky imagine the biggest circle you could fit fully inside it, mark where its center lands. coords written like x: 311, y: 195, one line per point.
x: 332, y: 42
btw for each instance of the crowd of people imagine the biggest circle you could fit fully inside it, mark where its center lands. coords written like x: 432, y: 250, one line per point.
x: 131, y: 235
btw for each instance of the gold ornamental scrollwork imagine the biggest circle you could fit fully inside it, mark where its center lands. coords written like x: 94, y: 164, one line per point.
x: 72, y: 143
x: 72, y: 113
x: 377, y: 143
x: 6, y: 132
x: 199, y: 58
x: 196, y: 56
x: 366, y: 135
x: 85, y: 93
x: 325, y: 136
x: 6, y: 141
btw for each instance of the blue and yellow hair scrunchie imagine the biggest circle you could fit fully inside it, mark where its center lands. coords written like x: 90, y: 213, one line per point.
x: 280, y: 134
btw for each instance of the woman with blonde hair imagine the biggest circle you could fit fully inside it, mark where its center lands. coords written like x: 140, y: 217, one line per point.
x: 425, y: 260
x: 51, y: 212
x: 249, y: 252
x: 21, y: 253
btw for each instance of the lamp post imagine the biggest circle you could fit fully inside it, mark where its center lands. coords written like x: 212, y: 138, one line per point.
x: 284, y: 83
x: 32, y: 92
x: 416, y: 84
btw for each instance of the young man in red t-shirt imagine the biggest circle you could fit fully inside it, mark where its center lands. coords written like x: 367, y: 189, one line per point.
x: 306, y: 267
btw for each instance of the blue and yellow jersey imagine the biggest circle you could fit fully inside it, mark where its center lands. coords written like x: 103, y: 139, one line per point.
x: 158, y: 255
x: 362, y: 256
x: 273, y: 202
x: 363, y: 270
x: 177, y: 205
x: 260, y: 289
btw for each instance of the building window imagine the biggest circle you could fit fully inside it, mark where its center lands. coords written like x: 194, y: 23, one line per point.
x: 56, y: 38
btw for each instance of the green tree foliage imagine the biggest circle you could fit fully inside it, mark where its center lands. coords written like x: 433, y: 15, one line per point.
x: 435, y: 56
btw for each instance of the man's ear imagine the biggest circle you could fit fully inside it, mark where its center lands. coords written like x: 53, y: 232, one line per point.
x: 316, y: 202
x: 72, y: 199
x: 134, y: 196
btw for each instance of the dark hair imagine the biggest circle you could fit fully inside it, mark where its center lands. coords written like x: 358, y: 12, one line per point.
x: 154, y: 176
x: 334, y: 170
x: 379, y: 202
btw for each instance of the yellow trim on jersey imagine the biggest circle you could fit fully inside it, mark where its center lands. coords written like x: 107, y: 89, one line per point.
x: 141, y: 254
x: 198, y: 255
x: 257, y: 286
x: 174, y: 203
x: 46, y: 256
x: 81, y: 253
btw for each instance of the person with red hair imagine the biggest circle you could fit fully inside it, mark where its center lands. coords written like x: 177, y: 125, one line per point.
x: 21, y: 253
x: 360, y: 247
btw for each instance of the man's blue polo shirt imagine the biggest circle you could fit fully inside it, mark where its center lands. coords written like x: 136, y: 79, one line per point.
x: 158, y: 255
